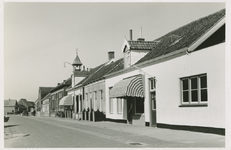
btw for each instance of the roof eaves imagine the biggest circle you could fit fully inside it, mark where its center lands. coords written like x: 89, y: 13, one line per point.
x: 206, y: 35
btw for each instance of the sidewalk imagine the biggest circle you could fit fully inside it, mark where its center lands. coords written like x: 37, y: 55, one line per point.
x: 152, y: 132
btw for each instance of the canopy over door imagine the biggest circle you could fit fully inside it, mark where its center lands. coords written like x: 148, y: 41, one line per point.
x: 66, y: 100
x: 128, y: 87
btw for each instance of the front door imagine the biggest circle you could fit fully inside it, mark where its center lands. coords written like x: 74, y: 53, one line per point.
x: 129, y: 110
x: 153, y: 108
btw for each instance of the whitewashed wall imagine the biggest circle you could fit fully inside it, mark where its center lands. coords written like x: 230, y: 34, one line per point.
x: 211, y: 61
x: 137, y: 55
x: 109, y: 82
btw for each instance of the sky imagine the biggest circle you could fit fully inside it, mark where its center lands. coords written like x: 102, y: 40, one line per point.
x: 40, y: 37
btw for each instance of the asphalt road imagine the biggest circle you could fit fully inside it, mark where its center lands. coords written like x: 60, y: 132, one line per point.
x: 45, y: 132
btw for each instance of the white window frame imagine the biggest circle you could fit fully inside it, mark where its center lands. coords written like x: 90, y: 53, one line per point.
x: 152, y: 84
x: 111, y: 105
x: 110, y: 102
x: 95, y: 98
x: 119, y: 105
x: 190, y: 102
x: 100, y: 99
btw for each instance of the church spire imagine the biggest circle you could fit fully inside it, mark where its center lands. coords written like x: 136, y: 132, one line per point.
x: 77, y: 61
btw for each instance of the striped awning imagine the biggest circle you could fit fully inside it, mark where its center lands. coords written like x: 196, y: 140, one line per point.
x: 128, y: 87
x: 66, y: 100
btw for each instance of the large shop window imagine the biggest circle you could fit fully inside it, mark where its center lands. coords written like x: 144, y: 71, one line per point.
x: 194, y: 90
x: 119, y: 105
x: 139, y: 105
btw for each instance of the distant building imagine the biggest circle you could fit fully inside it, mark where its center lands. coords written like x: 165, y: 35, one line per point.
x: 56, y: 94
x: 26, y: 104
x: 10, y: 106
x: 43, y: 91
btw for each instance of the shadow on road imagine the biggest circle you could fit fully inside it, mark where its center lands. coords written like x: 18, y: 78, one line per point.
x: 7, y: 126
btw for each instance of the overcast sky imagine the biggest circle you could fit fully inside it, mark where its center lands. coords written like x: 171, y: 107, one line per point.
x: 40, y: 37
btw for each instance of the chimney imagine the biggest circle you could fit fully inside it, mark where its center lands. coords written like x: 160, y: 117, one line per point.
x: 140, y: 39
x: 111, y: 55
x: 130, y: 34
x: 83, y: 68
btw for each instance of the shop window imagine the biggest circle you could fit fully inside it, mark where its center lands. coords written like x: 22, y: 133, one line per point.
x: 194, y: 89
x: 139, y: 105
x: 119, y: 105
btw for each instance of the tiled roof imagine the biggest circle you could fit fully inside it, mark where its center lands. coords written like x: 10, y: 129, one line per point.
x: 24, y: 102
x: 65, y: 83
x: 31, y: 104
x: 184, y: 36
x: 44, y: 91
x: 46, y: 97
x: 142, y: 45
x: 91, y: 72
x: 104, y: 70
x: 118, y: 66
x: 10, y: 102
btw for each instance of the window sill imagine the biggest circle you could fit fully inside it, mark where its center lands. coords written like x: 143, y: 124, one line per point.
x: 193, y: 105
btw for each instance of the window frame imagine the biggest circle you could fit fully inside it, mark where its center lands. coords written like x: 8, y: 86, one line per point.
x: 110, y: 102
x: 119, y: 105
x: 150, y: 84
x: 100, y: 99
x: 190, y: 89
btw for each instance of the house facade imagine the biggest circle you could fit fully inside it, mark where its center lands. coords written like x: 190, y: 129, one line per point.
x: 56, y: 94
x: 25, y: 103
x: 43, y: 91
x: 94, y: 89
x: 171, y: 87
x: 10, y: 106
x: 45, y: 110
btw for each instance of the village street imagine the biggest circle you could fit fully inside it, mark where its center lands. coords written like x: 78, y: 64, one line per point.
x: 49, y: 132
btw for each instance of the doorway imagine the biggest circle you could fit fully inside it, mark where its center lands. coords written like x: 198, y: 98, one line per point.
x: 129, y: 110
x: 153, y: 108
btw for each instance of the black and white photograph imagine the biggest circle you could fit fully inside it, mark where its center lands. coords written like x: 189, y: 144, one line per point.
x: 116, y: 74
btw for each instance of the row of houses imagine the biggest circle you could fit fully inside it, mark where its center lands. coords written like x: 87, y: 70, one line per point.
x: 12, y: 106
x: 176, y: 81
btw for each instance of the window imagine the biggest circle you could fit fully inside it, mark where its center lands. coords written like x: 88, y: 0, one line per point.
x: 60, y: 94
x: 100, y: 99
x: 139, y: 105
x: 95, y: 95
x: 119, y: 105
x: 111, y: 105
x: 86, y: 98
x: 194, y: 89
x: 152, y: 84
x: 90, y: 100
x: 110, y: 102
